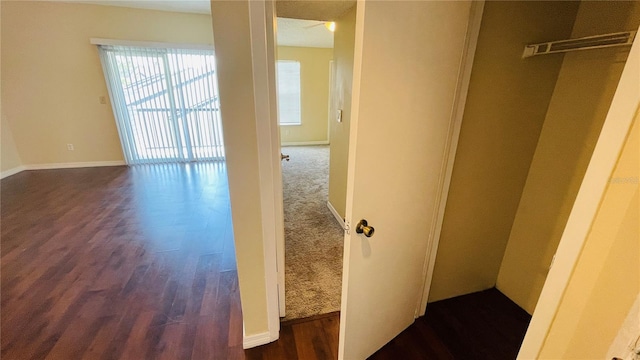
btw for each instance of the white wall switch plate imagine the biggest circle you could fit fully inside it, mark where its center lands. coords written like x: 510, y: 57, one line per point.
x: 339, y: 116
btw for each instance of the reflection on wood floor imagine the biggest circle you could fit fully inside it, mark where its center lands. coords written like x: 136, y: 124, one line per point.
x: 135, y: 263
x: 119, y: 262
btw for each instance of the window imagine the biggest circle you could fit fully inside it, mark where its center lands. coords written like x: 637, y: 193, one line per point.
x: 165, y: 103
x: 289, y: 92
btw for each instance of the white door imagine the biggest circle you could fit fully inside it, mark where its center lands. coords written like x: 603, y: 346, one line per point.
x: 407, y: 61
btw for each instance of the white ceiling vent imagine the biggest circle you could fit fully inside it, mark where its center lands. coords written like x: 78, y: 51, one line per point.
x: 585, y: 43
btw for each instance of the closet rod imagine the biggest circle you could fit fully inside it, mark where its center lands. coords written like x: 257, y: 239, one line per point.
x: 584, y: 43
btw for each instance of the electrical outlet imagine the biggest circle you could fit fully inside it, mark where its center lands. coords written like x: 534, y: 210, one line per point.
x: 70, y: 147
x: 103, y: 99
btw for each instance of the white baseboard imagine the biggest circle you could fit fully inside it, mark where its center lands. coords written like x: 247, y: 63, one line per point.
x: 13, y: 171
x: 50, y: 166
x: 74, y: 165
x: 305, y: 143
x: 339, y: 218
x: 250, y: 341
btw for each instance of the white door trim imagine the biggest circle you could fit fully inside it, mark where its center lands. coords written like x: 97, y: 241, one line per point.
x: 614, y: 132
x: 276, y: 160
x: 261, y: 14
x: 464, y: 78
x: 353, y: 137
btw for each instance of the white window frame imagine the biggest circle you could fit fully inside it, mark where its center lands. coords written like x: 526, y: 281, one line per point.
x: 280, y: 112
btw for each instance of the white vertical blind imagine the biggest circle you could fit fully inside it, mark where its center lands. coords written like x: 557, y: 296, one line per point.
x: 165, y: 103
x: 289, y: 92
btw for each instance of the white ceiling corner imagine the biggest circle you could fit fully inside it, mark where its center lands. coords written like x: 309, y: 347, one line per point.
x: 326, y: 10
x: 185, y: 6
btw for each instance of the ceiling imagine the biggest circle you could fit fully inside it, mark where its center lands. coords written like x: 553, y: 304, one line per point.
x: 188, y: 6
x: 300, y: 22
x: 325, y: 10
x: 304, y: 33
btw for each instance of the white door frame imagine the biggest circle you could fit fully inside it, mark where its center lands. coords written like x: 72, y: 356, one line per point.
x: 617, y: 126
x: 275, y: 152
x: 447, y: 167
x: 262, y: 28
x: 614, y: 132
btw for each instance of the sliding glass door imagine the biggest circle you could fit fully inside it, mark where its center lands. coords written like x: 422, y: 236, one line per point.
x: 165, y: 103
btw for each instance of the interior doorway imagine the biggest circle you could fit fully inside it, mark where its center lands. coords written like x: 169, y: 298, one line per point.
x: 313, y: 237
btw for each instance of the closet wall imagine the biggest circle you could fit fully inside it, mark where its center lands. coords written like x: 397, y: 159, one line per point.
x: 528, y: 132
x: 505, y: 109
x: 578, y: 107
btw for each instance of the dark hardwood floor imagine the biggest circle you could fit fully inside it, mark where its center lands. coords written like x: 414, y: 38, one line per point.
x: 119, y: 262
x: 314, y: 338
x: 129, y: 263
x: 139, y: 263
x: 482, y: 325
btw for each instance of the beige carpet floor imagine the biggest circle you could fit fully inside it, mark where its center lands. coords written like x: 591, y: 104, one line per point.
x: 313, y: 237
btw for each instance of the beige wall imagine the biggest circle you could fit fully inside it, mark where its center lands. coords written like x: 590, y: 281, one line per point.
x: 10, y: 157
x: 343, y: 43
x: 52, y: 77
x: 314, y: 94
x: 237, y: 106
x: 606, y: 279
x: 582, y: 96
x: 506, y: 106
